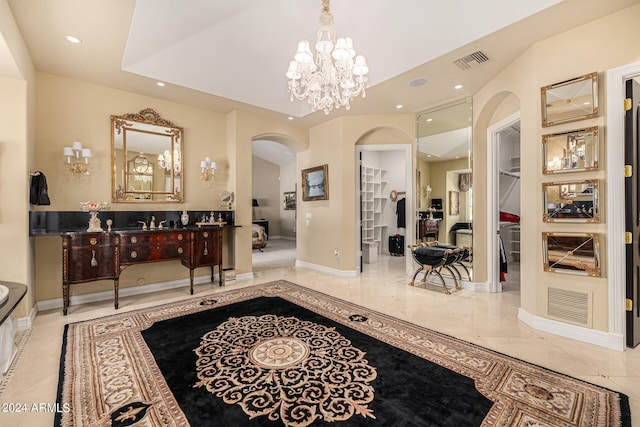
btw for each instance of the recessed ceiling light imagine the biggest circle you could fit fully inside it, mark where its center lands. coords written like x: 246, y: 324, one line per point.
x: 458, y: 87
x: 429, y: 119
x: 289, y: 118
x: 161, y: 84
x: 399, y: 106
x: 417, y: 82
x: 73, y: 39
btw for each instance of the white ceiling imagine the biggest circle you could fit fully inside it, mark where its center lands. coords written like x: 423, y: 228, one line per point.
x: 241, y: 49
x: 223, y: 55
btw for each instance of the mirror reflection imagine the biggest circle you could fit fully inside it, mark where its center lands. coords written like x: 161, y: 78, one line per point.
x: 445, y: 175
x: 146, y: 158
x: 571, y: 151
x: 575, y: 201
x: 571, y: 253
x: 572, y: 100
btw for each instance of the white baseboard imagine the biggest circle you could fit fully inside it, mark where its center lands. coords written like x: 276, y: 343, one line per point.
x: 244, y: 276
x: 25, y: 323
x: 579, y: 333
x: 327, y: 270
x: 123, y: 292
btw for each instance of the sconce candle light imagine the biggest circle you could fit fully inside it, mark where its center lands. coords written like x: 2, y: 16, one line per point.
x: 207, y: 169
x: 77, y: 158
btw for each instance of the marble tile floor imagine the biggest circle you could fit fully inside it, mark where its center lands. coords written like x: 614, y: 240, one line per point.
x: 489, y: 320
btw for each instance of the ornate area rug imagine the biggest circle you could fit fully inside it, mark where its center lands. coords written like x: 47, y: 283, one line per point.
x: 280, y: 354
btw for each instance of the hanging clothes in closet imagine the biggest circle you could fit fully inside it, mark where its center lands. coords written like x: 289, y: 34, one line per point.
x: 503, y: 261
x: 400, y: 213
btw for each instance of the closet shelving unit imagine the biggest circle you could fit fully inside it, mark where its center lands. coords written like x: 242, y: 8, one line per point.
x: 373, y: 189
x: 515, y: 242
x: 512, y: 241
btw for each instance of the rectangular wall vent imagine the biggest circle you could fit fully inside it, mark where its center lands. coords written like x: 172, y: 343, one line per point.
x: 473, y: 59
x: 570, y: 306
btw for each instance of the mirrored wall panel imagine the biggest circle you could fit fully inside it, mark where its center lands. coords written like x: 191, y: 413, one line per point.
x: 146, y: 158
x: 572, y: 151
x: 574, y: 201
x: 571, y: 100
x: 445, y: 176
x: 572, y: 253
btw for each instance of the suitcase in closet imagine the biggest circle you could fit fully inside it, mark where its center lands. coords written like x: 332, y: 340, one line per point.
x: 396, y: 245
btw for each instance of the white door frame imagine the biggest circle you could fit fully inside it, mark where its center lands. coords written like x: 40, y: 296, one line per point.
x: 493, y: 208
x: 614, y: 144
x: 410, y: 214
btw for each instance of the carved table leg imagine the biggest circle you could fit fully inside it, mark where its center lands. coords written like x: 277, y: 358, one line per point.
x: 65, y: 299
x: 220, y: 275
x: 191, y: 280
x: 116, y: 286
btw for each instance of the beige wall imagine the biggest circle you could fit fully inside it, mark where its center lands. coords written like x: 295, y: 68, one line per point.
x: 288, y: 178
x: 266, y: 189
x: 332, y: 225
x: 70, y: 110
x: 603, y: 44
x: 242, y: 128
x: 17, y: 136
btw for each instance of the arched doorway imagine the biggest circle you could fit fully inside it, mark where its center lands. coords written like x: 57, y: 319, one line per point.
x: 384, y: 167
x: 274, y: 191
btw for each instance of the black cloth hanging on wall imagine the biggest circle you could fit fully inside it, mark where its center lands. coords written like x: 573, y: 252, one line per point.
x: 400, y: 213
x: 503, y: 260
x: 39, y: 193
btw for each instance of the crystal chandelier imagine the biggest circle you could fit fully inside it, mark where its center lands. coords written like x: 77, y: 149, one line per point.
x: 327, y: 84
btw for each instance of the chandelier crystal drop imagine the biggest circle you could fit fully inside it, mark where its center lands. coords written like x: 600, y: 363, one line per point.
x: 335, y: 76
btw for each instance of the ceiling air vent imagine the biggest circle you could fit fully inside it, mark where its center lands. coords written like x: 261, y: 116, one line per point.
x: 569, y: 306
x: 475, y: 58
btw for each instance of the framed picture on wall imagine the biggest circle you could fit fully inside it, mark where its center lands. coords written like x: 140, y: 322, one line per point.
x: 315, y: 183
x: 289, y: 200
x: 454, y: 203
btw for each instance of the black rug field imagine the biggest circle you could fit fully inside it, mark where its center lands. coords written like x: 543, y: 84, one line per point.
x: 280, y: 354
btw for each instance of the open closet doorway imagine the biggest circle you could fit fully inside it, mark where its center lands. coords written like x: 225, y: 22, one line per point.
x: 274, y: 198
x: 505, y: 146
x: 384, y: 222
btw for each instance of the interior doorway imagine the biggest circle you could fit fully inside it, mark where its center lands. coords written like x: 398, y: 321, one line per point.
x: 274, y: 198
x: 384, y: 222
x: 504, y: 177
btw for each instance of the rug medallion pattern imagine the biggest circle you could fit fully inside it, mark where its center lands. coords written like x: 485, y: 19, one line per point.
x: 285, y: 368
x: 260, y: 363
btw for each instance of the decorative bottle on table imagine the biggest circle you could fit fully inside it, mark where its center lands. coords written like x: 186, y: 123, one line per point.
x: 184, y: 218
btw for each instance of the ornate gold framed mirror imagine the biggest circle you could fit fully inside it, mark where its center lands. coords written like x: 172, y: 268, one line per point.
x: 571, y: 201
x: 146, y: 159
x: 571, y: 151
x: 577, y: 253
x: 571, y: 100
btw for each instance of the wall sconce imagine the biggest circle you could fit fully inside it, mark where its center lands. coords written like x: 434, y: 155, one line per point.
x: 427, y: 191
x: 207, y: 169
x: 77, y: 158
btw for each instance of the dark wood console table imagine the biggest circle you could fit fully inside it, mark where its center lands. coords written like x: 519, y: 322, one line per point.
x: 87, y: 257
